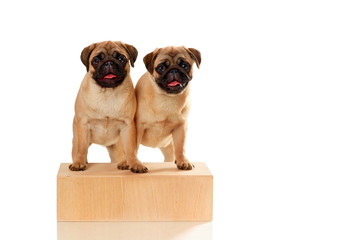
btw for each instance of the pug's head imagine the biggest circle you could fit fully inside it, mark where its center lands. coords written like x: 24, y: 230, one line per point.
x: 172, y: 67
x: 108, y: 62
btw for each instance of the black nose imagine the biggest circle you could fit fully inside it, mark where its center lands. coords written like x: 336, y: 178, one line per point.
x: 108, y: 63
x: 173, y: 71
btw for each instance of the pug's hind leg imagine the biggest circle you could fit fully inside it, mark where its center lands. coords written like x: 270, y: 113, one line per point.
x: 116, y: 152
x: 168, y: 152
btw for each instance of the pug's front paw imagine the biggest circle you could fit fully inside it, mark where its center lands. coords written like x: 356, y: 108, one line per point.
x: 77, y: 167
x: 184, y: 164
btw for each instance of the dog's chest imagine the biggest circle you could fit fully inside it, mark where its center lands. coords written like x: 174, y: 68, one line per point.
x: 159, y: 127
x: 103, y: 106
x: 107, y: 114
x: 105, y: 131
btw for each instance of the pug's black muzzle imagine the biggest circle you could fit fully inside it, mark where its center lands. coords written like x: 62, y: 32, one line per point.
x: 173, y: 81
x: 109, y: 75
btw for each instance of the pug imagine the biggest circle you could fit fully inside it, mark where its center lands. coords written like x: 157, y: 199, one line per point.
x: 163, y: 102
x: 105, y: 106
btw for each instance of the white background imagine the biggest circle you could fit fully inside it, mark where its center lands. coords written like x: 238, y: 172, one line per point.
x: 275, y: 107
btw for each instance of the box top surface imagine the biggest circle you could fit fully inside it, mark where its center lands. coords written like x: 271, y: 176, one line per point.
x: 155, y: 169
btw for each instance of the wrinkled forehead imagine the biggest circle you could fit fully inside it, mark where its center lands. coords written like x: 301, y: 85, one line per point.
x: 172, y: 55
x: 108, y: 48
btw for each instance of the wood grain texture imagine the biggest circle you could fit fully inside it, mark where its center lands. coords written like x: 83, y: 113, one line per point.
x: 104, y: 193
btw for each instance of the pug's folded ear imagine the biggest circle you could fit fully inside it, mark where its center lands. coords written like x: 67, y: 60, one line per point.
x: 133, y: 53
x: 194, y: 54
x: 130, y: 49
x: 85, y: 55
x: 149, y: 60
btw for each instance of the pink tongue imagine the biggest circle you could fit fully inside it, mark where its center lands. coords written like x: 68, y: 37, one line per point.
x: 173, y: 83
x: 110, y: 76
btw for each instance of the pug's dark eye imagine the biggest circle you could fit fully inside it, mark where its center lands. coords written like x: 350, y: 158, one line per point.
x: 121, y: 58
x: 160, y: 68
x: 95, y: 61
x: 185, y: 66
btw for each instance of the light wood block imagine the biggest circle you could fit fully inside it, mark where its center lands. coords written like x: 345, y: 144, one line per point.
x: 104, y: 193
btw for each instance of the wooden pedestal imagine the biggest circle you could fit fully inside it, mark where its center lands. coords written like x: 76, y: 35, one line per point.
x: 104, y: 193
